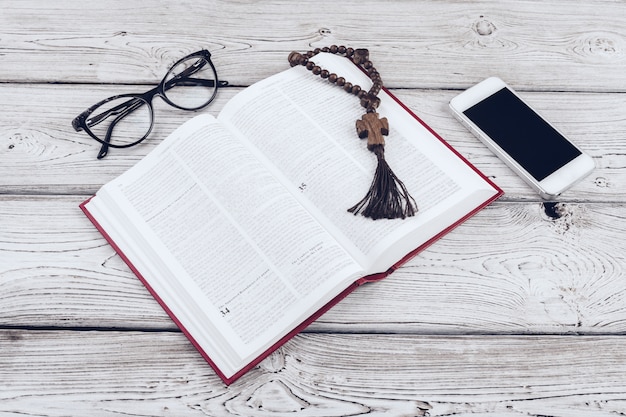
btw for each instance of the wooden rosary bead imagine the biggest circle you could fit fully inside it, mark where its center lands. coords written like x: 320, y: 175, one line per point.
x: 295, y: 58
x: 370, y: 101
x: 360, y: 57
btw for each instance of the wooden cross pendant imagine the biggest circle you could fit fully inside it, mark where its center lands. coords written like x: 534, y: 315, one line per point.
x: 372, y: 127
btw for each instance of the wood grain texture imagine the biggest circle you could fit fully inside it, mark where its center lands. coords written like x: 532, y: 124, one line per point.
x: 38, y: 133
x: 111, y: 373
x: 513, y: 268
x: 521, y: 311
x: 445, y: 44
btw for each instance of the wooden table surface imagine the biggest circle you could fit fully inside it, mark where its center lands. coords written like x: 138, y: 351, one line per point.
x: 521, y: 311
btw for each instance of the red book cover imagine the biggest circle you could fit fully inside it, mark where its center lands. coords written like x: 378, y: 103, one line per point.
x: 375, y: 277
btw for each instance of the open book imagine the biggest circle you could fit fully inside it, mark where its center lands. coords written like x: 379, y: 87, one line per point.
x: 238, y: 225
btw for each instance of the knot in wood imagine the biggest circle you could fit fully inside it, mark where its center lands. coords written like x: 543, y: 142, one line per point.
x: 484, y: 27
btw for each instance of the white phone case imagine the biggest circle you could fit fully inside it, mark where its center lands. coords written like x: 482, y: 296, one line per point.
x: 549, y: 187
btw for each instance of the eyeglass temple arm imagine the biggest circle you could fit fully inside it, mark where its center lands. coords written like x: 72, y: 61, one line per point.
x: 193, y: 82
x: 126, y: 107
x: 200, y: 63
x: 104, y: 149
x: 188, y: 72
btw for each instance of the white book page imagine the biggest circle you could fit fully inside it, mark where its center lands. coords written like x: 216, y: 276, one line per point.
x: 230, y: 236
x: 305, y: 127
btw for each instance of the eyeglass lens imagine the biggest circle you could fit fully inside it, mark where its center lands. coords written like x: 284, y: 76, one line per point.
x: 124, y: 120
x: 191, y: 84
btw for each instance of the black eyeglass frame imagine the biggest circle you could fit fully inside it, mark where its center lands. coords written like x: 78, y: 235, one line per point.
x: 137, y: 100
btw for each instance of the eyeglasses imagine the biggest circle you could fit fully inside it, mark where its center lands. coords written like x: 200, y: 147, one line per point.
x: 125, y: 120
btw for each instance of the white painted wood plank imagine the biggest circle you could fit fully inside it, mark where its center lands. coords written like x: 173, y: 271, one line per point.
x: 445, y: 44
x: 37, y: 134
x: 391, y: 348
x: 160, y: 374
x: 511, y: 269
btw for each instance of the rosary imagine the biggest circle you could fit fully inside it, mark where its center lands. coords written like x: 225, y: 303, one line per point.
x: 387, y: 196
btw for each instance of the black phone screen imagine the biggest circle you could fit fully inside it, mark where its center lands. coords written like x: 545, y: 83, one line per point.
x: 522, y: 133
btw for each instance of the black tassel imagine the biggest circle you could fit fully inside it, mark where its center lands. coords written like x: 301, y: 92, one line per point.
x: 387, y: 197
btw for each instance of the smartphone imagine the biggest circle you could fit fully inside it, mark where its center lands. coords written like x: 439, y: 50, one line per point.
x: 533, y: 148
